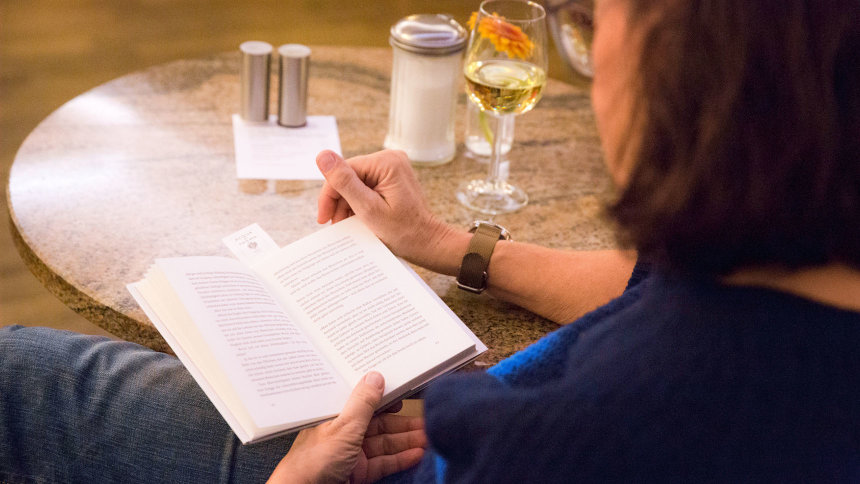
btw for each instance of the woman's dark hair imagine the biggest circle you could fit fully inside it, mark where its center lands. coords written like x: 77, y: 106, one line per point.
x: 745, y: 135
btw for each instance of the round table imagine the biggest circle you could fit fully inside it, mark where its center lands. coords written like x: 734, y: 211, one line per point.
x: 143, y: 167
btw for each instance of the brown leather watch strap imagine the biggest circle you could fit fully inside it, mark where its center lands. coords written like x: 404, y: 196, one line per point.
x: 473, y: 269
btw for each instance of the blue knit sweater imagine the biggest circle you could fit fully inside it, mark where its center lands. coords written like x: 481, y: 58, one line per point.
x: 675, y: 380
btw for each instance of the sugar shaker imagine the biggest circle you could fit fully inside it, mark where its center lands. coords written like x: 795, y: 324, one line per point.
x: 425, y: 82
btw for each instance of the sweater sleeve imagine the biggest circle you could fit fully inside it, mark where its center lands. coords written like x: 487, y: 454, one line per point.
x: 541, y: 362
x: 545, y: 359
x: 482, y: 431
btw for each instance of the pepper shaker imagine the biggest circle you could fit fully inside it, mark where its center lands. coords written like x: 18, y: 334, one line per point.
x: 255, y: 80
x: 294, y: 60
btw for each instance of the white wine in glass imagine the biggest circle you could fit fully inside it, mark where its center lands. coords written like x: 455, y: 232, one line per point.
x: 505, y: 70
x: 504, y: 86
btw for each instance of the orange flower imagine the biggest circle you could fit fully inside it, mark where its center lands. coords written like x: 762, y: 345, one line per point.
x: 504, y: 36
x: 472, y: 19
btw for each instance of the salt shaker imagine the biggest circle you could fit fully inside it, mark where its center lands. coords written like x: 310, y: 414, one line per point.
x: 293, y: 92
x: 425, y: 81
x: 255, y: 80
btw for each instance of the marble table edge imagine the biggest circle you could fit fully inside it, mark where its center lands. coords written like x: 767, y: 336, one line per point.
x: 107, y: 318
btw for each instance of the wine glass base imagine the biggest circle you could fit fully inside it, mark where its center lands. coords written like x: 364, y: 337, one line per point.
x: 491, y: 197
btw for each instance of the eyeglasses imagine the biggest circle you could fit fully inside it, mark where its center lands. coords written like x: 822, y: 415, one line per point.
x: 572, y: 25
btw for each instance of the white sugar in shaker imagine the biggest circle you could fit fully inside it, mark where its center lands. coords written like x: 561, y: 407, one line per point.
x: 425, y: 81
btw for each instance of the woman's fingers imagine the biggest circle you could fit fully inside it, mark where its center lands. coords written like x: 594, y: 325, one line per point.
x: 391, y: 444
x: 341, y: 211
x: 379, y: 467
x: 341, y: 177
x: 392, y: 424
x: 326, y: 203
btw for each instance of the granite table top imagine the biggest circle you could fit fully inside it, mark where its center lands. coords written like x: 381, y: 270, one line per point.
x: 143, y: 167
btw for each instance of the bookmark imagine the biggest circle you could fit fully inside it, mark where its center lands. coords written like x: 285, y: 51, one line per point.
x: 250, y: 243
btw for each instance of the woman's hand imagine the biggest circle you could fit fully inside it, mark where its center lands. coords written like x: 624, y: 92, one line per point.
x: 382, y: 190
x: 355, y: 446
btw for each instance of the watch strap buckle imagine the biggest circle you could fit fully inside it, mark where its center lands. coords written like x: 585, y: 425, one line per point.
x: 473, y: 274
x: 473, y: 269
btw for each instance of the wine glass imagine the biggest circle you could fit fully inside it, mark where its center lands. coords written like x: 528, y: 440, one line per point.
x: 505, y: 69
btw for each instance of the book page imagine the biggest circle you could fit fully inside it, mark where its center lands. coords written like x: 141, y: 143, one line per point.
x: 272, y: 366
x: 360, y: 305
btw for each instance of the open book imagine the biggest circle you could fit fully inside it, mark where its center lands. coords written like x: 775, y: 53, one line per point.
x: 278, y: 341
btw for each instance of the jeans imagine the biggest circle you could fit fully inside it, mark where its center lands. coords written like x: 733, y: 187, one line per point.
x: 77, y: 408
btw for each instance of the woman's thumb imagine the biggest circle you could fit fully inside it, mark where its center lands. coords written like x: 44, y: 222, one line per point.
x: 364, y: 399
x: 343, y: 179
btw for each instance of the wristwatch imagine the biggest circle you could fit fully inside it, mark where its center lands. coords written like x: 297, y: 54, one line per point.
x: 473, y: 269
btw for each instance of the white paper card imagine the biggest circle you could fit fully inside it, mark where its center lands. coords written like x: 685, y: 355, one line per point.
x: 250, y: 243
x: 269, y: 151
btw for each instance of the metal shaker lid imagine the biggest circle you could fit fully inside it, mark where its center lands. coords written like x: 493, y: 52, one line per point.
x: 429, y: 34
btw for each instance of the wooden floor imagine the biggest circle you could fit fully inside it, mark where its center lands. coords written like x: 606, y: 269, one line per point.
x: 53, y: 50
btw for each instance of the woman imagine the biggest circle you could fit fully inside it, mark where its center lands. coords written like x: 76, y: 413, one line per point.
x: 733, y: 132
x: 732, y: 129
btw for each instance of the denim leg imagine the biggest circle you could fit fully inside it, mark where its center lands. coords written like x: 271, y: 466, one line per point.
x: 77, y: 408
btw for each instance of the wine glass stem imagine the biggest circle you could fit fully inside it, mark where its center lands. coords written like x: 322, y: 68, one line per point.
x: 497, y: 175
